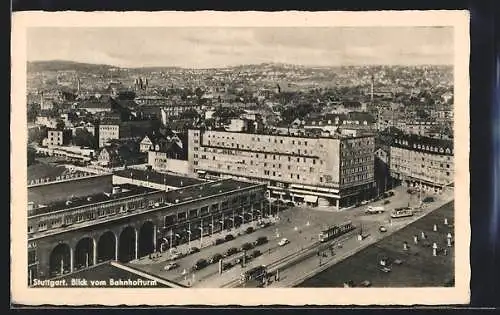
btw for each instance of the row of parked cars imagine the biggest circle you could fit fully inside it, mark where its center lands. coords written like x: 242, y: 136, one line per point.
x: 202, y: 263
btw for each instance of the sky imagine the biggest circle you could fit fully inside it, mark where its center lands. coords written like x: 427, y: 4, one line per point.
x: 215, y: 47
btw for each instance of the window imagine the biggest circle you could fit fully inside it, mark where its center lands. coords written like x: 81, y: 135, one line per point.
x: 298, y: 176
x: 305, y: 142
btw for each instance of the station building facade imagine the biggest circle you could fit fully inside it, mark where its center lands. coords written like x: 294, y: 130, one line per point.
x: 130, y: 222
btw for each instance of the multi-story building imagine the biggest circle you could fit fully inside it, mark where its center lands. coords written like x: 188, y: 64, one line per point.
x: 125, y: 130
x: 112, y: 131
x: 422, y: 162
x: 128, y: 222
x: 57, y: 138
x: 336, y: 170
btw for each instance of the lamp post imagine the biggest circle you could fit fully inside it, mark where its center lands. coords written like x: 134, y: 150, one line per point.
x: 201, y: 235
x: 189, y: 234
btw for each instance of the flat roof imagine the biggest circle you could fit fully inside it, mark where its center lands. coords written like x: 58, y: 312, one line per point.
x: 206, y: 189
x: 50, y: 173
x: 127, y: 190
x: 117, y: 271
x: 159, y: 178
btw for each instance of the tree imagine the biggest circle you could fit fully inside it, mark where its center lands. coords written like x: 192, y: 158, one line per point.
x: 199, y: 92
x: 31, y: 155
x: 84, y: 138
x: 60, y: 124
x: 33, y: 111
x: 189, y: 114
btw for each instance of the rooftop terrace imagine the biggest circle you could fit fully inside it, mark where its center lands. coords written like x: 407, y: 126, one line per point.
x: 206, y: 189
x: 158, y: 178
x: 125, y: 190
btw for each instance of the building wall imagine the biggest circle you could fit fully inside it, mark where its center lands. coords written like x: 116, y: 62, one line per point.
x: 64, y: 189
x: 286, y: 160
x: 174, y: 217
x: 109, y: 132
x: 414, y: 166
x: 160, y: 162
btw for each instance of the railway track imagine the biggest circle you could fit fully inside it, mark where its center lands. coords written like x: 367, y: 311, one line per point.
x: 295, y: 258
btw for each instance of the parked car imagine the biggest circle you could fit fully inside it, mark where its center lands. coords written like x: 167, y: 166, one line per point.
x: 366, y: 284
x: 229, y: 237
x: 387, y: 202
x: 382, y: 229
x: 283, y: 242
x: 364, y: 202
x: 215, y: 258
x: 398, y: 262
x: 246, y: 246
x: 175, y: 256
x: 171, y: 266
x: 200, y: 264
x: 260, y: 240
x: 227, y: 265
x: 264, y: 224
x: 428, y: 199
x: 249, y: 230
x: 193, y: 250
x: 219, y: 241
x: 231, y: 251
x: 256, y: 253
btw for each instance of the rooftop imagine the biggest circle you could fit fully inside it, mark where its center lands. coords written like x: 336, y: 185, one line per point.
x: 45, y: 173
x: 206, y: 189
x: 424, y: 144
x: 126, y: 190
x: 297, y: 133
x: 158, y: 178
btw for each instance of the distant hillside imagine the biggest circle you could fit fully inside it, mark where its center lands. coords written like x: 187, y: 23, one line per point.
x: 62, y: 65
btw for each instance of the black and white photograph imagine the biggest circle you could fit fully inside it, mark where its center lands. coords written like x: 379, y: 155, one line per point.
x: 238, y: 153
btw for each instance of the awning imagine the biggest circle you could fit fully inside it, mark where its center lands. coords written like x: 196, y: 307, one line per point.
x: 312, y: 199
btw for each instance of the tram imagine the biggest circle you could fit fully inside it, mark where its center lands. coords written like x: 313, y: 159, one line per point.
x: 401, y: 213
x: 335, y: 231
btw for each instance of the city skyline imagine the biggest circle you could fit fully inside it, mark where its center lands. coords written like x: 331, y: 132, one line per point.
x: 219, y: 47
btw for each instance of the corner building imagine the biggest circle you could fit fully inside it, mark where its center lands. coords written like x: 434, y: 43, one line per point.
x: 324, y: 171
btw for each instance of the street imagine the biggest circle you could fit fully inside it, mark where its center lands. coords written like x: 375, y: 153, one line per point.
x: 301, y: 227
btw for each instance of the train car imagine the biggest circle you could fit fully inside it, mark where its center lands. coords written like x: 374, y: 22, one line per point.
x: 335, y: 231
x: 401, y: 213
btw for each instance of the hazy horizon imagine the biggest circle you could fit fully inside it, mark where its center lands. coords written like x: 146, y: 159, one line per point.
x: 218, y: 47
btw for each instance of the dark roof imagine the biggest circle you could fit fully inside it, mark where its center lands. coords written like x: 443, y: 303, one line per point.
x: 361, y: 116
x: 159, y: 178
x: 424, y: 144
x: 127, y: 191
x: 104, y: 102
x: 126, y: 103
x: 44, y: 171
x: 205, y: 190
x: 114, y: 270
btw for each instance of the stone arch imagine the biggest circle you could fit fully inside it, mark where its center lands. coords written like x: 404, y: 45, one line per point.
x: 146, y: 238
x: 106, y: 246
x: 84, y: 252
x: 60, y: 259
x: 127, y: 244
